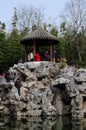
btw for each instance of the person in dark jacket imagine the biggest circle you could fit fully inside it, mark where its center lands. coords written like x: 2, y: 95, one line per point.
x: 47, y: 56
x: 7, y: 77
x: 54, y: 55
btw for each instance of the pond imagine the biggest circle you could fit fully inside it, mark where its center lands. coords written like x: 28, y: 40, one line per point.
x: 42, y: 123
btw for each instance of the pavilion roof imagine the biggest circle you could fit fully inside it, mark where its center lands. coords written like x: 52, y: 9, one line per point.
x: 39, y: 34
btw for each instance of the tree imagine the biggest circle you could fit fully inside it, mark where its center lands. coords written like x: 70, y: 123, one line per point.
x: 2, y: 46
x: 75, y: 16
x: 54, y: 31
x: 67, y: 45
x: 27, y: 17
x: 14, y: 48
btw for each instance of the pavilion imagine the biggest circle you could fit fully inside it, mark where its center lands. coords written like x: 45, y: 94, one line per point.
x: 39, y: 38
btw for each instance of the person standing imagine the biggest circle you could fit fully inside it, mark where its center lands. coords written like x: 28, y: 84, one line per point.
x: 31, y: 56
x: 37, y: 57
x: 54, y: 55
x: 46, y: 56
x: 7, y: 77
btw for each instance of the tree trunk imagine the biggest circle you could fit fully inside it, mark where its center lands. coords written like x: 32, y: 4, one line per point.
x: 78, y: 48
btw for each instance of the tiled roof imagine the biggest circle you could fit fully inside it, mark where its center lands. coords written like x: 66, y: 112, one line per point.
x: 39, y: 34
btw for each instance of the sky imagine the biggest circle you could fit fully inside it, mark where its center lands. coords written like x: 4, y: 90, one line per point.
x: 53, y: 8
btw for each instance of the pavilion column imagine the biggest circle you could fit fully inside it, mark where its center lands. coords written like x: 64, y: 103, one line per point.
x: 51, y: 51
x: 34, y: 48
x: 25, y: 55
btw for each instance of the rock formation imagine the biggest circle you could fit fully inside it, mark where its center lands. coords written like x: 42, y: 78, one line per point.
x: 43, y: 88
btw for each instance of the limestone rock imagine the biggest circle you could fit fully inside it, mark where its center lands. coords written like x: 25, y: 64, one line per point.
x: 80, y: 75
x: 46, y: 89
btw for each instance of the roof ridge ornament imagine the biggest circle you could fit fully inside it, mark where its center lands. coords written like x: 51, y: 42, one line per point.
x: 39, y: 26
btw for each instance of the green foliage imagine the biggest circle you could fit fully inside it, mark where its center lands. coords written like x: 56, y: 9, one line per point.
x: 14, y: 47
x: 54, y: 31
x: 68, y: 44
x: 63, y: 63
x: 10, y: 49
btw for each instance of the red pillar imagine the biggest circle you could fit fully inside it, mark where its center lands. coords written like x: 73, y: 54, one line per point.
x: 25, y: 59
x: 51, y: 51
x: 34, y: 49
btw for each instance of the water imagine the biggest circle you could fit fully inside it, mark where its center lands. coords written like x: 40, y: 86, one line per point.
x: 44, y: 123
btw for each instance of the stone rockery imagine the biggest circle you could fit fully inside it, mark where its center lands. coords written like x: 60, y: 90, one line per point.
x: 43, y: 89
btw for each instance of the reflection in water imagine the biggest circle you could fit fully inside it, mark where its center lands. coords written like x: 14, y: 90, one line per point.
x: 41, y: 123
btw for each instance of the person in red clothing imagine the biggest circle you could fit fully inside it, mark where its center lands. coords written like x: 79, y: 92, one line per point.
x: 37, y: 57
